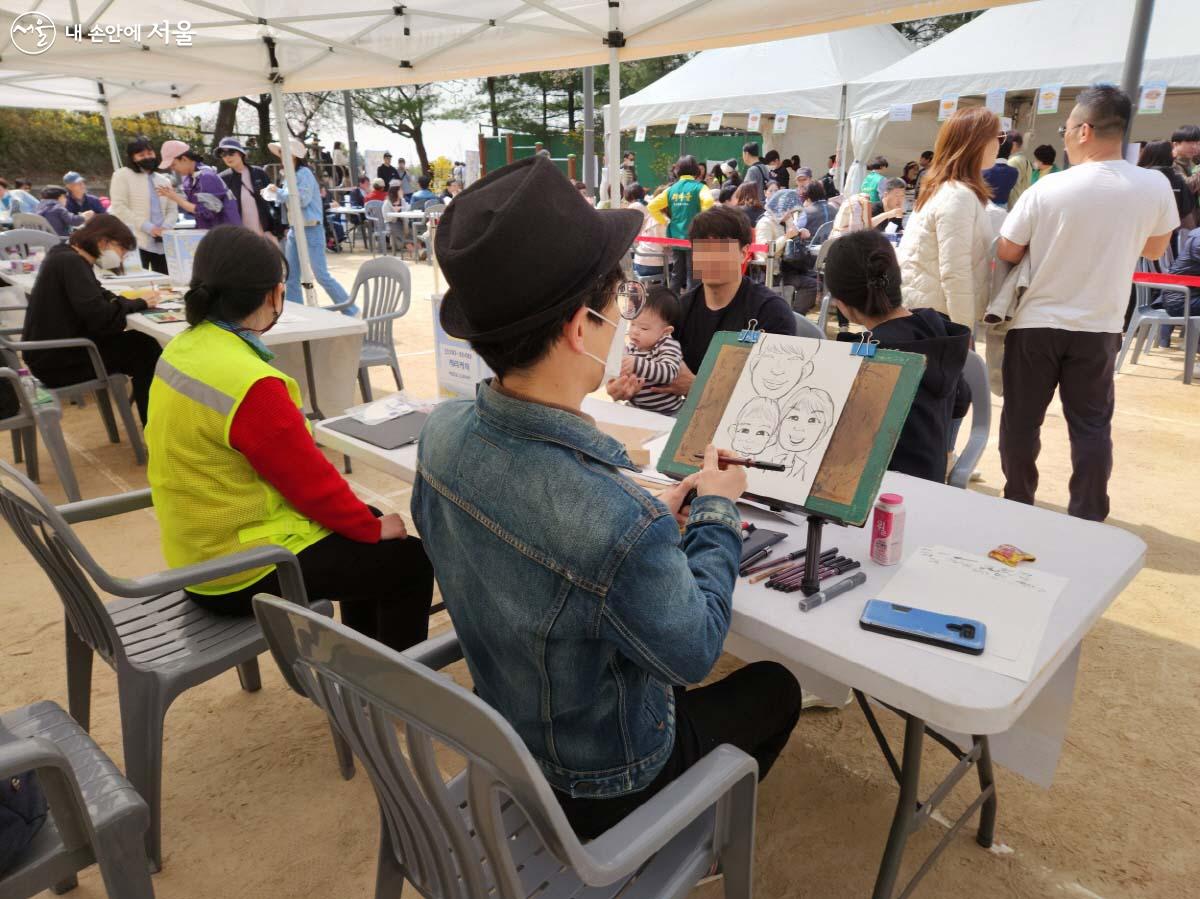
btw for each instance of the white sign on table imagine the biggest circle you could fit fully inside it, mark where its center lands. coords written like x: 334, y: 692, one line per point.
x: 780, y: 123
x: 459, y: 367
x: 179, y: 248
x: 1048, y: 96
x: 754, y: 120
x: 995, y: 100
x: 640, y: 135
x: 947, y: 106
x: 681, y: 126
x: 900, y: 112
x: 1153, y: 95
x: 714, y: 121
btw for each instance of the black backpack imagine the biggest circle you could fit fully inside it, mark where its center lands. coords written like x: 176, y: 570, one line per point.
x: 22, y: 813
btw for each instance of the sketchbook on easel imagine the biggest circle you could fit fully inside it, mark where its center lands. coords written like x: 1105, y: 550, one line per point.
x: 826, y: 413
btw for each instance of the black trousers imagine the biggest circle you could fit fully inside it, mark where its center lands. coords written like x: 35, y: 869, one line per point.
x: 681, y: 269
x: 129, y: 353
x: 385, y: 588
x: 1080, y: 365
x: 755, y: 709
x: 156, y: 262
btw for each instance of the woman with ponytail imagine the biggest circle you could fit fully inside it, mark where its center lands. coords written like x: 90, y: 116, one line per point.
x: 233, y: 464
x: 863, y: 277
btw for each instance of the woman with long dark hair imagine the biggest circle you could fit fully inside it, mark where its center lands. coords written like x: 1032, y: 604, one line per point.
x: 68, y: 300
x: 1157, y: 155
x: 233, y: 464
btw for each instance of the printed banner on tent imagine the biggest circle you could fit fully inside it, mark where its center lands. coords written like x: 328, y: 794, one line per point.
x: 1048, y: 96
x: 780, y: 123
x: 1151, y: 100
x: 995, y: 100
x: 640, y: 135
x: 714, y: 121
x: 900, y: 112
x: 753, y: 120
x: 947, y: 107
x: 681, y: 125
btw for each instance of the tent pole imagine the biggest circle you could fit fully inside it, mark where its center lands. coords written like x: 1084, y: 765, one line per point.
x: 843, y: 130
x: 1135, y: 55
x: 589, y: 128
x: 350, y: 138
x: 295, y: 213
x: 113, y: 152
x: 615, y: 41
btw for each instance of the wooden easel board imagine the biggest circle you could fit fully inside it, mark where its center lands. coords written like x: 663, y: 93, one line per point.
x: 861, y: 445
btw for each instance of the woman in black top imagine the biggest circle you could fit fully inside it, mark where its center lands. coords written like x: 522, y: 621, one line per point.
x: 68, y: 300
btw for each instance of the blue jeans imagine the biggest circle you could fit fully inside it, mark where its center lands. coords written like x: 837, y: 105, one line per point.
x: 314, y: 237
x: 646, y: 271
x: 1173, y: 306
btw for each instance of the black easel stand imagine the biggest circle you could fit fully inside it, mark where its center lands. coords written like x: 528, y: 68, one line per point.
x: 812, y: 556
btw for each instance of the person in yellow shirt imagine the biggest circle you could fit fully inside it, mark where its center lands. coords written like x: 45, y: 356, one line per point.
x: 676, y: 207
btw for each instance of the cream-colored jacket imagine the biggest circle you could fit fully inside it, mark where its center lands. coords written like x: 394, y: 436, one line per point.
x: 129, y: 192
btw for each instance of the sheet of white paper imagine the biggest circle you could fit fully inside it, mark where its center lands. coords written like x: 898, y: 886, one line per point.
x: 1014, y: 603
x: 651, y: 472
x: 783, y: 409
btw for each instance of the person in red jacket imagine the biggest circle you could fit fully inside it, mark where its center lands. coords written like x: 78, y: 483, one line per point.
x: 381, y: 576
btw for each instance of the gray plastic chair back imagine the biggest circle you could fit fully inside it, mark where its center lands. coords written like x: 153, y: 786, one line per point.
x: 822, y: 233
x: 806, y: 327
x: 34, y: 222
x: 434, y: 209
x: 976, y: 374
x: 456, y: 840
x: 374, y: 214
x: 24, y: 239
x: 383, y: 291
x: 44, y: 418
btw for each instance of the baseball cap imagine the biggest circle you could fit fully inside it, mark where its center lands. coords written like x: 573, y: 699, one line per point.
x: 72, y: 178
x: 171, y: 150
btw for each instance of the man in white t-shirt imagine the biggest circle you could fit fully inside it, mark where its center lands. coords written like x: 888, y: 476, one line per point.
x: 1084, y: 232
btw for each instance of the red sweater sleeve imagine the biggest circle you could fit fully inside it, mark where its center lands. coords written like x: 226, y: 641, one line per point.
x: 270, y: 432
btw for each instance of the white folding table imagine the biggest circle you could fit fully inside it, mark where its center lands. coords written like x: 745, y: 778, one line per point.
x: 319, y: 348
x: 968, y: 710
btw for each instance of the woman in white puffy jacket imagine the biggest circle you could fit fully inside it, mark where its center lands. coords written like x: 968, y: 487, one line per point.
x: 945, y: 253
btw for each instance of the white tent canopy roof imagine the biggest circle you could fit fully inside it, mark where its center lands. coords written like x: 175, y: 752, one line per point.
x: 323, y: 46
x: 801, y: 76
x: 1072, y: 42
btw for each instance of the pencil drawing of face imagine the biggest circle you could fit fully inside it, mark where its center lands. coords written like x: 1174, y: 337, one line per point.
x: 776, y: 368
x: 755, y: 426
x: 807, y: 418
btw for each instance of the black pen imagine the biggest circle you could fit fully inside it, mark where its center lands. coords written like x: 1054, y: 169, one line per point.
x: 749, y: 463
x: 755, y: 557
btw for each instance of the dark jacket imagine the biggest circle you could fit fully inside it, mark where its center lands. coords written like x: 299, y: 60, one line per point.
x: 267, y: 214
x: 1185, y: 200
x: 1001, y: 178
x: 59, y: 218
x: 753, y: 301
x: 67, y: 300
x: 357, y: 199
x: 943, y: 394
x: 388, y: 173
x: 89, y: 203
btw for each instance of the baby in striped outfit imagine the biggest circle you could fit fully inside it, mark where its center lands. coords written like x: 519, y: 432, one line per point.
x: 652, y: 354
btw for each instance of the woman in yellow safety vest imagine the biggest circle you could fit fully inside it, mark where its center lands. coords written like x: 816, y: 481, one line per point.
x: 233, y: 464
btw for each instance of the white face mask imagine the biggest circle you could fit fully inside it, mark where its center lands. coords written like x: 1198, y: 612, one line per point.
x: 616, y: 350
x: 109, y: 259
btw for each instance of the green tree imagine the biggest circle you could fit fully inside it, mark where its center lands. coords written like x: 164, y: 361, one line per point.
x: 402, y: 110
x: 926, y: 31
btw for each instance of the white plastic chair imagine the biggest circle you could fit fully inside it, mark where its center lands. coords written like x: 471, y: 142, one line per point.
x: 1146, y: 320
x: 386, y: 287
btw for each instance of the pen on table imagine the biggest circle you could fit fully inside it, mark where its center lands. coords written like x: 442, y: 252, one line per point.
x: 756, y: 557
x: 828, y: 568
x: 778, y: 563
x: 748, y: 463
x: 792, y: 570
x: 834, y: 573
x: 808, y: 603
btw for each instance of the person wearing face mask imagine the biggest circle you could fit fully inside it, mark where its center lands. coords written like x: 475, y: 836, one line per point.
x: 582, y: 610
x: 68, y: 300
x: 233, y: 464
x: 137, y: 202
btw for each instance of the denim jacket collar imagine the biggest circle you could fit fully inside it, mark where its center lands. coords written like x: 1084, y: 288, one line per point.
x: 540, y: 422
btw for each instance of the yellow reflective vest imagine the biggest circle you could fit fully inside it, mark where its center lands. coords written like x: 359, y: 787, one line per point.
x: 209, y: 499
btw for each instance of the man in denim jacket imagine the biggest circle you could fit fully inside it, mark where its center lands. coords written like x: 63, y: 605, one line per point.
x: 581, y: 609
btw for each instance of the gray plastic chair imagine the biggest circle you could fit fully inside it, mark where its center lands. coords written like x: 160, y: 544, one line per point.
x: 1146, y: 319
x: 386, y: 287
x: 34, y: 418
x: 34, y: 222
x: 822, y: 233
x: 157, y: 640
x: 105, y: 385
x: 22, y: 240
x: 433, y: 211
x: 96, y: 816
x: 806, y: 327
x: 976, y: 374
x: 496, y: 829
x: 377, y: 227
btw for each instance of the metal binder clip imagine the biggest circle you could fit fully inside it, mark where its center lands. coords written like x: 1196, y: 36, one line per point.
x: 865, y: 347
x: 751, y: 333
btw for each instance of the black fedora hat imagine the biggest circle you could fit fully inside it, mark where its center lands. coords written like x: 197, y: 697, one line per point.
x: 519, y: 245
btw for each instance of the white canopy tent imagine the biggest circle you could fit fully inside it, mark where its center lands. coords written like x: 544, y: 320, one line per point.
x: 235, y: 47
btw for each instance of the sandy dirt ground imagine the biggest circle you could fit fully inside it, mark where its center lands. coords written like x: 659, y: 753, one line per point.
x: 254, y: 806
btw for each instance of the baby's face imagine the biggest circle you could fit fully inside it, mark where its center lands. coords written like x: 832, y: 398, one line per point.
x: 801, y: 429
x: 774, y: 376
x: 751, y: 435
x: 647, y: 329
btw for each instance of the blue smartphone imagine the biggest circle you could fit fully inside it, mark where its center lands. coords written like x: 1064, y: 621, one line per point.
x: 934, y: 628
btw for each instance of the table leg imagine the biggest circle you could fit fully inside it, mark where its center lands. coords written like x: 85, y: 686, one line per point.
x: 987, y: 786
x: 311, y: 378
x: 904, y: 820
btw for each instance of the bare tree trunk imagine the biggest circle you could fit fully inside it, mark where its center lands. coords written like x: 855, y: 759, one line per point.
x: 571, y: 105
x: 492, y: 110
x: 226, y: 120
x: 418, y: 138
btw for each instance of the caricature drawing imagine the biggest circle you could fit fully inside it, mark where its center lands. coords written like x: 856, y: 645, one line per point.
x: 755, y: 427
x: 806, y: 419
x: 777, y: 368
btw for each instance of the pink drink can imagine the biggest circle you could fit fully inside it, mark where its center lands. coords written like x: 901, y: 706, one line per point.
x: 887, y: 530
